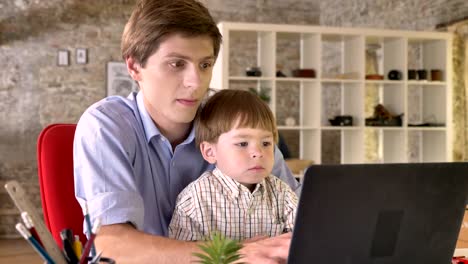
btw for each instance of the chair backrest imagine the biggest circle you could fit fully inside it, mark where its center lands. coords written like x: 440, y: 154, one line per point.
x: 55, y: 165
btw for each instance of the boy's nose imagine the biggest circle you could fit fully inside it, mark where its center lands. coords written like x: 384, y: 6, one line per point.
x: 256, y: 152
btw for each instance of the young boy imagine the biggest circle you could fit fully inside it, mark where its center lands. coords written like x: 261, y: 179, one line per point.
x: 236, y: 132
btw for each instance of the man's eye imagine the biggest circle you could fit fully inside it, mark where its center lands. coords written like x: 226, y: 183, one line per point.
x: 206, y: 65
x: 177, y: 64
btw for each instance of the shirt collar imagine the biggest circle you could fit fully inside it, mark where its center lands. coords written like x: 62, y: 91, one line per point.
x: 151, y: 130
x: 233, y: 187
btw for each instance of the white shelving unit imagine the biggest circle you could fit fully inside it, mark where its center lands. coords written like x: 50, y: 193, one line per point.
x: 338, y: 56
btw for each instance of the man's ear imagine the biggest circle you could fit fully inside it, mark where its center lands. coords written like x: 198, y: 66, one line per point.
x: 208, y: 152
x: 133, y: 68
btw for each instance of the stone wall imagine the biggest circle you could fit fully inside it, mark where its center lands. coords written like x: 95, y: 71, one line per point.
x: 35, y: 92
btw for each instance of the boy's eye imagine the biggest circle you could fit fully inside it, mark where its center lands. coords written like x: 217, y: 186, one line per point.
x: 266, y: 144
x: 242, y: 144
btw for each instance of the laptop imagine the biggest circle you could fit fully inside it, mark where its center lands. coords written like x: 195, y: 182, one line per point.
x: 380, y: 213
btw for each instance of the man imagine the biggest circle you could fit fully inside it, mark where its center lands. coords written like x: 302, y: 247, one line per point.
x: 133, y: 156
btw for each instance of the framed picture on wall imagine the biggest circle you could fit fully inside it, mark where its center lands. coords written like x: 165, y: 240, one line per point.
x: 119, y: 81
x: 63, y: 57
x: 81, y: 56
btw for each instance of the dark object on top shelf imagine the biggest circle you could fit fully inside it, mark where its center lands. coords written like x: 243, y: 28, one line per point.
x: 411, y: 74
x: 253, y: 71
x: 395, y: 75
x: 382, y: 117
x: 436, y: 75
x: 428, y: 124
x: 422, y: 74
x: 374, y: 77
x: 304, y: 73
x: 341, y: 120
x: 280, y: 74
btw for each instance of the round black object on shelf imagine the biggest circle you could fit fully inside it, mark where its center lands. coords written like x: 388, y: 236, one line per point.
x: 394, y: 75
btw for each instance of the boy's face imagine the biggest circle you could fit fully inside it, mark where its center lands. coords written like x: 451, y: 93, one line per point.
x: 244, y: 154
x: 175, y: 78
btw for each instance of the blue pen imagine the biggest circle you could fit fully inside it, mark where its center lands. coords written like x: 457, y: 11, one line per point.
x: 25, y: 233
x: 89, y: 227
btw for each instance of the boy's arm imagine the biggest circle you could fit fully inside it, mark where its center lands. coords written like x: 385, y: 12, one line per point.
x: 290, y: 208
x: 183, y: 226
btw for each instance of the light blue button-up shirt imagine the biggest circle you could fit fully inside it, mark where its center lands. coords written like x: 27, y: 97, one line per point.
x: 126, y: 171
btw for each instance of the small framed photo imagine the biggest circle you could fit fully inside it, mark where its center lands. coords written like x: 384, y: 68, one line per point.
x: 119, y: 81
x: 81, y: 56
x: 63, y: 58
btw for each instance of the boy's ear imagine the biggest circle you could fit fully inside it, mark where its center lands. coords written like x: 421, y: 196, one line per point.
x: 208, y: 152
x: 133, y: 68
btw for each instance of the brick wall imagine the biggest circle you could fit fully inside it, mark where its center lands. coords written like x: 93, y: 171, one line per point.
x: 35, y: 92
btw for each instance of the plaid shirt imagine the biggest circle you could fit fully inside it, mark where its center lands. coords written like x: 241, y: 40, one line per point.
x: 215, y: 202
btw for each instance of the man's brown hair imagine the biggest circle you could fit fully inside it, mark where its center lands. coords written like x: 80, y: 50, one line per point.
x: 228, y: 109
x: 154, y: 20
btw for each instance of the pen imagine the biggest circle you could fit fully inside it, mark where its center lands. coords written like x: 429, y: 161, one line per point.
x: 96, y: 259
x: 40, y: 250
x: 90, y: 242
x: 28, y: 222
x: 67, y: 247
x: 77, y: 246
x: 89, y: 227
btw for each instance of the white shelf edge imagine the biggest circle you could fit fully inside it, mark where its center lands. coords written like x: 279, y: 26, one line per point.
x: 248, y: 78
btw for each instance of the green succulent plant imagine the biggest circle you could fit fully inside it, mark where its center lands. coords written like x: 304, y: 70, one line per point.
x: 219, y: 250
x: 263, y: 93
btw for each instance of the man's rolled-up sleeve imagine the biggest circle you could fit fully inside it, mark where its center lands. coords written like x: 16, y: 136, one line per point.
x: 104, y: 175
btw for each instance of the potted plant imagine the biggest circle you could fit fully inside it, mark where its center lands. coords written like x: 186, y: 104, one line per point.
x: 219, y: 250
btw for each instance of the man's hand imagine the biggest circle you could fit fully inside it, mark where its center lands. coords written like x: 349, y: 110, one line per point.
x: 272, y: 250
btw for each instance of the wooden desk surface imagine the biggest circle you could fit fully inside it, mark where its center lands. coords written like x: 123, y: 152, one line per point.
x: 18, y: 251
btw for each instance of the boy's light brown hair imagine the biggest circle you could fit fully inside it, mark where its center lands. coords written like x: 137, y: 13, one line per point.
x: 154, y: 20
x: 228, y: 108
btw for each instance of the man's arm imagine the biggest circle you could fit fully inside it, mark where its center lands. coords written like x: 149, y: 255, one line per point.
x: 125, y: 244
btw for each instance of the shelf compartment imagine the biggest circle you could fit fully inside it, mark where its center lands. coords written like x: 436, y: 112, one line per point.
x: 385, y: 54
x: 352, y: 146
x: 428, y: 105
x: 427, y: 146
x: 330, y: 147
x: 310, y: 102
x: 288, y: 97
x: 292, y: 139
x: 264, y: 87
x: 310, y: 147
x: 392, y: 146
x: 342, y: 55
x: 252, y: 49
x: 427, y: 54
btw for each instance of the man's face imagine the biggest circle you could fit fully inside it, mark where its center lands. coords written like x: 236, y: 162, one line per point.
x: 244, y: 154
x: 176, y: 78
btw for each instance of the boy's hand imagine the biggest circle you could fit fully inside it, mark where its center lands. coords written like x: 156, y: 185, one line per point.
x: 266, y: 250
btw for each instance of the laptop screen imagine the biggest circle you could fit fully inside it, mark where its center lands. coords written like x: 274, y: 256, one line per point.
x: 380, y: 213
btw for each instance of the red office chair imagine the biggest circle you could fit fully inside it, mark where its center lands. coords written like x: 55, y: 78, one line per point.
x: 55, y: 166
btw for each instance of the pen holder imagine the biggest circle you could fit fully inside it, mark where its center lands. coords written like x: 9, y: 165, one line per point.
x: 101, y: 260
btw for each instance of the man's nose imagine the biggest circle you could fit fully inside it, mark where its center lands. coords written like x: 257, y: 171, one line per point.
x: 192, y: 78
